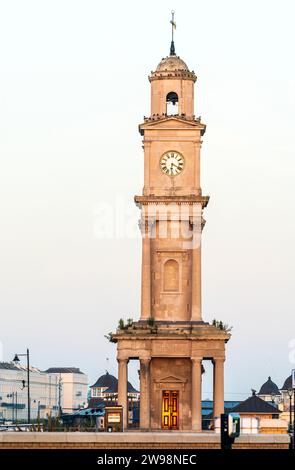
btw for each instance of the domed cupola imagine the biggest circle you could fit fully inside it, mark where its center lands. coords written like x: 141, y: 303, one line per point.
x: 172, y: 86
x: 269, y: 388
x: 288, y: 383
x: 172, y: 67
x: 106, y: 381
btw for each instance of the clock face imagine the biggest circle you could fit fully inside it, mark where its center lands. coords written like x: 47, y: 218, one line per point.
x: 172, y: 163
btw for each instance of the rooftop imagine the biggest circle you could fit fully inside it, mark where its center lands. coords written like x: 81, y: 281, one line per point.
x: 288, y: 383
x: 19, y: 367
x: 172, y: 63
x: 269, y: 388
x: 8, y: 366
x: 64, y: 370
x: 110, y: 382
x: 172, y: 67
x: 254, y: 404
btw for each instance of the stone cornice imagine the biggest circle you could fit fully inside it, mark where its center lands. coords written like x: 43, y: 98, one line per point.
x: 189, y: 122
x: 172, y: 75
x: 200, y: 332
x: 156, y: 200
x: 121, y: 336
x: 164, y: 116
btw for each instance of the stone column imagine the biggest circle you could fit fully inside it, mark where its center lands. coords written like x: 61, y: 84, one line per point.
x: 196, y: 404
x: 122, y: 389
x: 218, y: 387
x: 145, y: 394
x: 196, y: 273
x: 145, y: 271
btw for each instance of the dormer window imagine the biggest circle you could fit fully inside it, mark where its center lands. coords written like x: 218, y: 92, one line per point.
x: 172, y: 103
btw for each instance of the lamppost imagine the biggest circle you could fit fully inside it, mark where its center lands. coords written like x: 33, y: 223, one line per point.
x: 16, y: 359
x: 290, y: 394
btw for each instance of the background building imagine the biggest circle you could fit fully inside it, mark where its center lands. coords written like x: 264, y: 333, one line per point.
x: 51, y: 391
x: 270, y: 392
x: 13, y: 396
x: 287, y: 401
x: 105, y: 390
x: 73, y: 386
x: 283, y: 398
x: 266, y: 414
x: 255, y: 407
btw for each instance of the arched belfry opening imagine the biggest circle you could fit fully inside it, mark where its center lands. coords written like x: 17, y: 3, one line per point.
x: 172, y: 103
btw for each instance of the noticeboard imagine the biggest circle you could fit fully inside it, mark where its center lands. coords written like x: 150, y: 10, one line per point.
x: 114, y: 418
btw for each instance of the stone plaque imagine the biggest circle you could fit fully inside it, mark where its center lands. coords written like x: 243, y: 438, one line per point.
x: 171, y: 348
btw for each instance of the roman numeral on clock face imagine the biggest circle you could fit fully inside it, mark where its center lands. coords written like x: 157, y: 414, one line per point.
x: 172, y: 163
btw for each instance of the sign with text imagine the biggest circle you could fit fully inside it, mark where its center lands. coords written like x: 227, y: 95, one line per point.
x: 114, y: 418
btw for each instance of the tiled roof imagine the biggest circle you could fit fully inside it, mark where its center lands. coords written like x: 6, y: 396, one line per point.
x: 269, y: 388
x: 110, y: 382
x: 64, y: 370
x: 254, y: 404
x: 106, y: 380
x: 96, y: 402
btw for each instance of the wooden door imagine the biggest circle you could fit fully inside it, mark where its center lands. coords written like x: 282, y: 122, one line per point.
x: 170, y: 409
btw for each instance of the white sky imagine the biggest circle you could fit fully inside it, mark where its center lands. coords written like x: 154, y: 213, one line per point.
x: 73, y: 89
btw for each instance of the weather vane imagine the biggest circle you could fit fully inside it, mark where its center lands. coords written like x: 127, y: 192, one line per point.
x: 173, y: 26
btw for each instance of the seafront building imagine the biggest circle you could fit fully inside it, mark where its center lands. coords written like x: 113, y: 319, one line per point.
x: 52, y: 392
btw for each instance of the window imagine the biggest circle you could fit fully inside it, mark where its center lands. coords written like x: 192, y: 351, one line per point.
x: 172, y: 103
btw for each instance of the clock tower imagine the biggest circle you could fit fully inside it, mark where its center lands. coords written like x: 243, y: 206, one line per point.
x: 171, y: 339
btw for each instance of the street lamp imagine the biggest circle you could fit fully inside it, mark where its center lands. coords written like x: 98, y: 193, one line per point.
x: 290, y: 394
x: 16, y: 359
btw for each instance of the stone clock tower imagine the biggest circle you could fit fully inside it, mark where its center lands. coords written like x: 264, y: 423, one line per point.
x: 171, y: 339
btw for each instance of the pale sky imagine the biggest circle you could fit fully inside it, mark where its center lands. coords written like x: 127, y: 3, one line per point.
x: 73, y: 89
